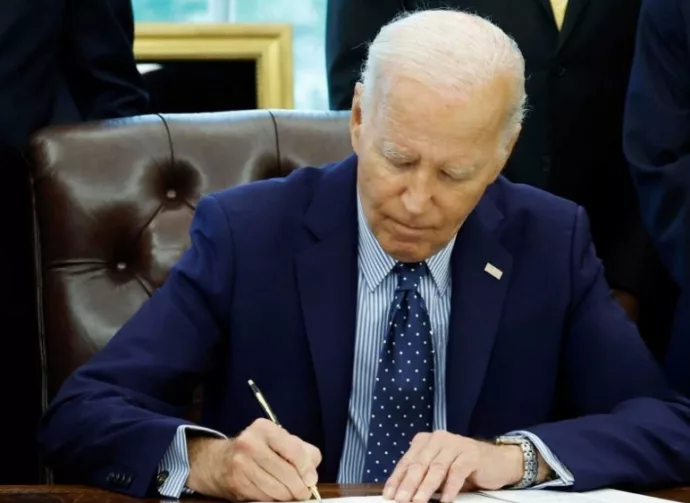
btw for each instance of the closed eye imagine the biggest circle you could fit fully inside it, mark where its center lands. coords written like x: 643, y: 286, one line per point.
x: 402, y: 162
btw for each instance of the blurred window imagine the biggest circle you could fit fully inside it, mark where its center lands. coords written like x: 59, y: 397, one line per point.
x: 307, y: 17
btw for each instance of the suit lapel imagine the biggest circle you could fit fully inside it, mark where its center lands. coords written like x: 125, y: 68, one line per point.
x: 573, y: 14
x: 327, y: 283
x: 477, y: 301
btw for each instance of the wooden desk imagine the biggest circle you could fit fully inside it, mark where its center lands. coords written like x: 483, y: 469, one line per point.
x: 80, y: 494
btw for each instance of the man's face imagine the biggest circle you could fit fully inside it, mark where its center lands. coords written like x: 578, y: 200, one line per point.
x: 425, y: 160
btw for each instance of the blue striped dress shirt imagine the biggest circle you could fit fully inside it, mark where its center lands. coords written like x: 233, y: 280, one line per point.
x: 376, y: 288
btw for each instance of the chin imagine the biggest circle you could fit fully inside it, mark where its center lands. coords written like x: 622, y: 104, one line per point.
x: 406, y: 252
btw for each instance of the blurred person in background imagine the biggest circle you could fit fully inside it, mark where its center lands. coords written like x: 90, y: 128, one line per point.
x: 578, y: 55
x: 65, y: 61
x: 61, y: 61
x: 657, y: 137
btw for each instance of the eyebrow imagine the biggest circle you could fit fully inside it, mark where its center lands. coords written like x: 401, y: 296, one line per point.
x: 462, y: 171
x: 391, y: 151
x: 395, y: 153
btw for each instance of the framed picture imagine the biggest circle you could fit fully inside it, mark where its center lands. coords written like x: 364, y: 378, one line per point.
x: 189, y: 68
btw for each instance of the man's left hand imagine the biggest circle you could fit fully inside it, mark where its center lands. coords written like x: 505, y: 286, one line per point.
x: 447, y: 463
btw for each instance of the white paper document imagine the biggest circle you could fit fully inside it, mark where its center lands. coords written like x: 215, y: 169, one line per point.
x: 525, y: 496
x: 545, y: 496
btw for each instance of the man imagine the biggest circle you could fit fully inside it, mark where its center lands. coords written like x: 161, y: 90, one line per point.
x: 578, y: 55
x: 657, y: 132
x: 65, y: 61
x: 412, y: 318
x: 61, y: 61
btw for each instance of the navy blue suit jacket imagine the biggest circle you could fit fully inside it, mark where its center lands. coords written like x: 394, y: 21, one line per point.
x: 657, y: 144
x: 268, y: 291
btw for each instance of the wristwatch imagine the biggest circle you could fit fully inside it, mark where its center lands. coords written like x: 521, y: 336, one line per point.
x: 529, y: 457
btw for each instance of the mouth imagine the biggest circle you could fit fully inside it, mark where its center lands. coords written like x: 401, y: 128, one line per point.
x: 408, y: 232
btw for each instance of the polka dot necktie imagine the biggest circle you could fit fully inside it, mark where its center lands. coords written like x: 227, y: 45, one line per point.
x: 403, y: 399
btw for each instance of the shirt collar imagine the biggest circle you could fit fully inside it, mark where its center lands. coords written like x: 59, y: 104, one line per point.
x: 376, y: 264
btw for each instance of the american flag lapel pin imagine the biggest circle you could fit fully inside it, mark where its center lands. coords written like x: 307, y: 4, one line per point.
x: 493, y: 270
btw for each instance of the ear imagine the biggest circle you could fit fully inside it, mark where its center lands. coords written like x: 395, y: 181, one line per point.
x: 513, y: 141
x: 508, y: 149
x: 356, y: 117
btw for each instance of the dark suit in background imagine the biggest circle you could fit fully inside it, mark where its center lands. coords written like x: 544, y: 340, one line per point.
x: 65, y: 61
x: 61, y: 61
x: 657, y: 143
x: 571, y: 142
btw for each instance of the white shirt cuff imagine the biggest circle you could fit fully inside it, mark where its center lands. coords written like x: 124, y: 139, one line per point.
x: 176, y: 462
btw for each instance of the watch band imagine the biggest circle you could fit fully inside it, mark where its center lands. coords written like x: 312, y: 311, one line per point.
x: 529, y: 457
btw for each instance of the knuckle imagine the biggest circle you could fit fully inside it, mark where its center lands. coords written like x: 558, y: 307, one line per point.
x: 438, y: 466
x: 243, y: 444
x: 402, y: 466
x: 455, y: 480
x: 262, y: 424
x: 455, y: 471
x: 415, y: 467
x: 315, y: 454
x: 237, y: 458
x: 294, y: 444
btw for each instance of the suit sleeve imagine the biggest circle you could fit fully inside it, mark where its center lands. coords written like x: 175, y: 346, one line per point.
x: 114, y: 419
x: 99, y: 59
x: 350, y: 26
x: 628, y: 428
x: 657, y: 129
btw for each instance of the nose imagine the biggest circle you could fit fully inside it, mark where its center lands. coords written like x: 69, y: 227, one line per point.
x: 417, y: 194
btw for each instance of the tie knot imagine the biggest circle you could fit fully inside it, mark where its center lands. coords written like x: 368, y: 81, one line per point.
x: 410, y: 274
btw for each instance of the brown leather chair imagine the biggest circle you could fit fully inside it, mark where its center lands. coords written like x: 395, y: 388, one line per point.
x: 114, y: 200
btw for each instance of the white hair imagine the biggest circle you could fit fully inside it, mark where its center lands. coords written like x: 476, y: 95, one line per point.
x: 447, y: 50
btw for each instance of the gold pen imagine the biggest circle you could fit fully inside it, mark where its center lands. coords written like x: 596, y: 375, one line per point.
x: 267, y: 409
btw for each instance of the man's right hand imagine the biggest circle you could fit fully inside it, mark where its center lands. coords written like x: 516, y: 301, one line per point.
x: 264, y: 463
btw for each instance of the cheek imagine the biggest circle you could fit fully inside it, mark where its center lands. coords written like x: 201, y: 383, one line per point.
x: 458, y: 204
x: 381, y: 186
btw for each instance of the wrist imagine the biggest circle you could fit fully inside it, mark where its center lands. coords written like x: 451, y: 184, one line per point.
x: 512, y: 462
x: 529, y: 460
x: 203, y: 454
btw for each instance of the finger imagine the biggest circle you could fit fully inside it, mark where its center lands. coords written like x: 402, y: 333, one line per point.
x: 393, y: 483
x: 248, y: 490
x: 436, y: 474
x: 268, y: 483
x: 295, y: 451
x: 418, y: 467
x: 314, y: 454
x: 282, y: 471
x: 260, y: 495
x: 459, y: 470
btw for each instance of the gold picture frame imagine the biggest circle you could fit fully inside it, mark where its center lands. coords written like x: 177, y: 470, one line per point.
x: 269, y: 45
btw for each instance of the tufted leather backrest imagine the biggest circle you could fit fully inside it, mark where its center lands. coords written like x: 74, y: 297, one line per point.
x: 114, y: 200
